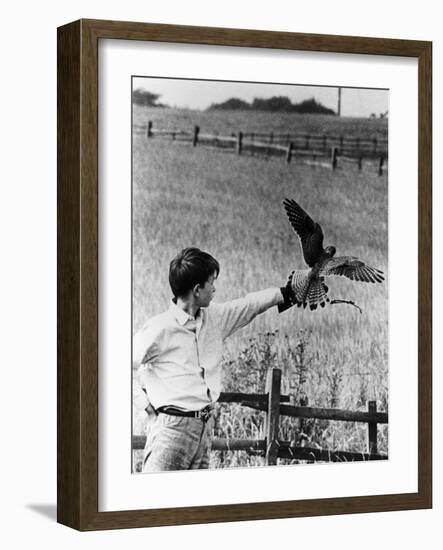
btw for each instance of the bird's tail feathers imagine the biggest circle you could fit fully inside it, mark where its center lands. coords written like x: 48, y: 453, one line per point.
x: 317, y: 294
x: 306, y: 291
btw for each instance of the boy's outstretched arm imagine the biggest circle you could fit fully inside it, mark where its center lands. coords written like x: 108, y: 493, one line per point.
x: 239, y: 313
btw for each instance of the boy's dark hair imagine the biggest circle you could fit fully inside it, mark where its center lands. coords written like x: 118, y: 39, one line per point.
x: 189, y: 268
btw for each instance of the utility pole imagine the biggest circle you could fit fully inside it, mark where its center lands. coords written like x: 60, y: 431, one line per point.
x: 339, y: 102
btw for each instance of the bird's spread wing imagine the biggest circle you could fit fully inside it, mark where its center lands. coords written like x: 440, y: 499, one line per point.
x: 309, y: 232
x: 353, y: 269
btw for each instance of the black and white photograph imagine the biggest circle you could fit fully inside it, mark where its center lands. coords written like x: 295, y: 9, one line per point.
x: 259, y: 274
x: 219, y: 225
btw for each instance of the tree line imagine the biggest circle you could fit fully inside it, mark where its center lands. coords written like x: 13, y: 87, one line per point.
x: 275, y: 104
x: 280, y: 104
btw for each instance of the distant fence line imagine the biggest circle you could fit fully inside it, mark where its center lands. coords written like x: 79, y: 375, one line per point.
x: 320, y: 149
x: 274, y: 405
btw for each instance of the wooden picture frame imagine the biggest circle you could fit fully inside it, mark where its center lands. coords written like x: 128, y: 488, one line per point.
x: 77, y: 457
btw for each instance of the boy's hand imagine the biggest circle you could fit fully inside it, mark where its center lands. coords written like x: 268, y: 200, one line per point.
x: 288, y: 296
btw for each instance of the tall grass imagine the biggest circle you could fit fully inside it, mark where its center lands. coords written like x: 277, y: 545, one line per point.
x: 232, y: 207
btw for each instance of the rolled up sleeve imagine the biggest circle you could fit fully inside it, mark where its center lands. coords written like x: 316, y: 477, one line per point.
x: 143, y: 346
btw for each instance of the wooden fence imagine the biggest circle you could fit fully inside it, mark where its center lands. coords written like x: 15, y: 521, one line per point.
x: 319, y: 149
x: 276, y: 405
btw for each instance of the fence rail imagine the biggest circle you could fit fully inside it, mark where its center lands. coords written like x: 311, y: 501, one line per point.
x: 274, y: 404
x: 303, y: 146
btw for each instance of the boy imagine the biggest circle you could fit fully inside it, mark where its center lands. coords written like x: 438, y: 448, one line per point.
x: 180, y: 356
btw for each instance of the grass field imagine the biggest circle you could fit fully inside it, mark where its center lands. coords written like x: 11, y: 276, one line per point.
x: 232, y: 207
x: 225, y: 122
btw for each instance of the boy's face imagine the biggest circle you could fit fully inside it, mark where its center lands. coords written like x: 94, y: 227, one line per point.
x: 206, y: 292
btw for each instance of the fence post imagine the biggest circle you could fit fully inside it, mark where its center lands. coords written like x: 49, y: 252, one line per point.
x: 149, y: 129
x: 239, y: 142
x: 334, y: 153
x: 372, y: 429
x: 195, y: 137
x: 375, y: 145
x: 273, y: 382
x: 380, y: 165
x: 289, y: 151
x: 307, y: 137
x: 360, y: 162
x: 271, y: 137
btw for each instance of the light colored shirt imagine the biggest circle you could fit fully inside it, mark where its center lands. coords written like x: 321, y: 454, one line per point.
x: 180, y: 356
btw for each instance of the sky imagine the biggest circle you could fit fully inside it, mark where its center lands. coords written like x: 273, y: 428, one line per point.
x: 200, y: 94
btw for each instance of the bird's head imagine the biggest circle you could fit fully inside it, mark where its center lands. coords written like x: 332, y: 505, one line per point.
x: 330, y: 250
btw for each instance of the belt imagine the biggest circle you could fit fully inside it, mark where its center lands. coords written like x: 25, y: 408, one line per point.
x: 203, y: 414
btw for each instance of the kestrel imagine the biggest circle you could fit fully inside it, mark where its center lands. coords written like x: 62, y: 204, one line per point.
x: 308, y: 285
